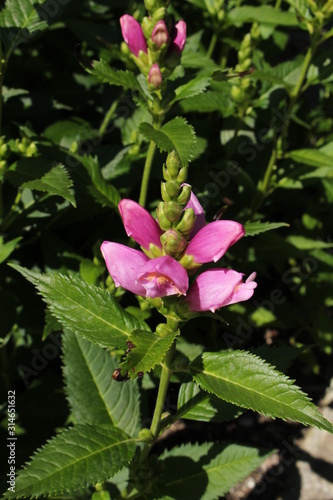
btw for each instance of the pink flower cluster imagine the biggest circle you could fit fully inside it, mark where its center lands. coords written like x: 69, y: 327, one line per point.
x: 163, y: 275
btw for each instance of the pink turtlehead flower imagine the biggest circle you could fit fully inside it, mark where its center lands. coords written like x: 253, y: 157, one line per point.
x: 160, y: 35
x: 178, y: 38
x: 133, y: 34
x: 217, y: 288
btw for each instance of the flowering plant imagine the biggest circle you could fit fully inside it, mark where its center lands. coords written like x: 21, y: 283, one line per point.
x: 161, y: 346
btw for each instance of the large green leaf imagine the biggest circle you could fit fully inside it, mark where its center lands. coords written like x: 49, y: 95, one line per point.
x: 176, y: 134
x: 149, y: 349
x: 192, y: 88
x: 264, y: 14
x: 196, y: 404
x: 84, y: 309
x: 92, y: 393
x: 38, y: 174
x: 206, y: 471
x: 78, y: 456
x: 103, y: 71
x: 19, y: 21
x: 311, y: 157
x: 254, y: 228
x: 246, y: 380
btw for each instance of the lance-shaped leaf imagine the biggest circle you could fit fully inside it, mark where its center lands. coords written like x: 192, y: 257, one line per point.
x: 176, y: 134
x: 147, y: 351
x: 103, y: 71
x: 246, y: 380
x: 92, y: 393
x: 254, y: 228
x: 78, y: 456
x: 206, y: 471
x: 84, y: 309
x: 191, y: 88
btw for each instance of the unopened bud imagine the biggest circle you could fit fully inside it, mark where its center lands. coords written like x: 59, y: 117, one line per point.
x: 163, y: 330
x: 160, y: 35
x: 147, y: 26
x: 182, y: 176
x: 145, y: 435
x: 237, y: 94
x: 188, y: 263
x: 173, y: 164
x: 155, y: 78
x: 159, y: 14
x: 164, y: 193
x: 173, y: 243
x: 31, y: 150
x: 172, y: 188
x: 185, y: 225
x: 173, y: 211
x: 163, y: 221
x: 185, y: 195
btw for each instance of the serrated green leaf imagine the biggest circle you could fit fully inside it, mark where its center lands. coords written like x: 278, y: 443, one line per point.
x: 19, y: 21
x: 94, y: 396
x: 264, y: 14
x: 102, y: 191
x: 192, y: 88
x: 196, y: 404
x: 7, y: 248
x: 84, y: 309
x: 176, y: 134
x: 311, y: 157
x: 254, y: 228
x: 103, y: 71
x: 244, y: 379
x: 206, y: 471
x: 81, y: 455
x: 38, y: 174
x: 149, y: 350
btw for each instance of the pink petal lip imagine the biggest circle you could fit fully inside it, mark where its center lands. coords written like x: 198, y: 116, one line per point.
x: 213, y: 240
x: 163, y: 276
x: 178, y: 37
x: 124, y: 265
x: 139, y: 224
x: 133, y: 34
x: 216, y: 288
x: 160, y: 34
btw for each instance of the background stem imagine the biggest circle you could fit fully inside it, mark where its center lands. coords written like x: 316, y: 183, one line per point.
x: 146, y: 173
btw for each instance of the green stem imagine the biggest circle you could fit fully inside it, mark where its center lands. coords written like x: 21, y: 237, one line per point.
x: 146, y: 173
x: 108, y: 117
x: 212, y: 44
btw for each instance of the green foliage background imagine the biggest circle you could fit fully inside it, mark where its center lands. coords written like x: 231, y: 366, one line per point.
x: 73, y: 146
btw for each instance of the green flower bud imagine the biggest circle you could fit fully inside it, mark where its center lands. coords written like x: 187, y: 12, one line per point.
x: 150, y: 5
x: 173, y: 164
x: 182, y: 176
x: 173, y: 243
x: 188, y: 262
x: 153, y: 252
x: 185, y: 225
x: 3, y: 150
x: 124, y: 49
x: 172, y: 188
x: 31, y: 150
x: 164, y: 193
x: 163, y: 221
x: 237, y: 94
x: 147, y: 26
x: 185, y: 195
x: 163, y: 330
x: 244, y: 54
x: 220, y: 15
x: 145, y: 435
x: 159, y: 14
x: 246, y: 64
x: 246, y: 42
x: 172, y: 211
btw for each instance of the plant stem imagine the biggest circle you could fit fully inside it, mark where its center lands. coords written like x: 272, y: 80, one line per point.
x: 212, y: 45
x: 108, y: 117
x: 146, y: 173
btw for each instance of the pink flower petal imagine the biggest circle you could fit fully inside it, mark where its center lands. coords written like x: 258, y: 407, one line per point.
x: 213, y: 240
x: 216, y: 288
x: 133, y: 34
x: 199, y: 212
x: 124, y: 265
x: 160, y: 34
x: 139, y: 224
x: 178, y: 37
x: 163, y: 276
